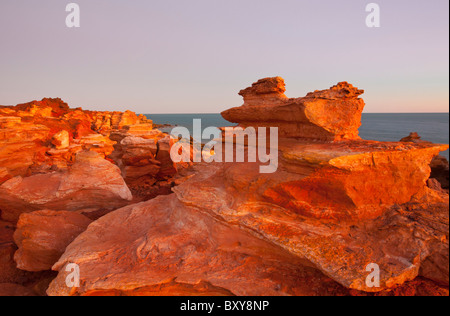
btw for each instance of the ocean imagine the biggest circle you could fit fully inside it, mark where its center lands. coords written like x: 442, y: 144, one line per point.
x: 432, y: 127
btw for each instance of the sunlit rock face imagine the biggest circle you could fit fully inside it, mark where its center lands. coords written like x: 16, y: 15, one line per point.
x: 90, y: 183
x: 43, y: 136
x: 58, y: 165
x: 328, y: 115
x: 42, y: 237
x: 162, y: 247
x: 335, y: 205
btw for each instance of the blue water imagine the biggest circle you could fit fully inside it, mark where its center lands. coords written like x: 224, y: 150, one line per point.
x: 433, y: 127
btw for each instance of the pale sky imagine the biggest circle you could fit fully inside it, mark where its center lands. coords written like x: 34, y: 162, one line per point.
x: 193, y: 56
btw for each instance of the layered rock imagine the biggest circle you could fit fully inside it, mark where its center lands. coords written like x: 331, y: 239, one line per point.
x: 161, y: 247
x: 9, y: 274
x: 439, y: 165
x: 138, y: 158
x: 61, y: 140
x: 58, y: 158
x: 307, y: 225
x: 44, y: 137
x: 336, y: 204
x: 42, y: 237
x: 328, y: 115
x: 106, y: 122
x: 40, y: 135
x: 21, y: 146
x: 440, y: 171
x: 146, y: 164
x: 91, y: 183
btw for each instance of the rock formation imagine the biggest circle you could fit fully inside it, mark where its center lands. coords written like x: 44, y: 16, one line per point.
x: 328, y: 115
x: 336, y: 204
x: 59, y: 163
x: 42, y: 237
x: 162, y: 247
x: 40, y: 135
x: 440, y: 171
x: 439, y: 165
x: 91, y: 183
x: 84, y: 187
x: 12, y: 280
x: 41, y: 140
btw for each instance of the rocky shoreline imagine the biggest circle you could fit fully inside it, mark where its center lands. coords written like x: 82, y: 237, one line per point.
x: 99, y: 189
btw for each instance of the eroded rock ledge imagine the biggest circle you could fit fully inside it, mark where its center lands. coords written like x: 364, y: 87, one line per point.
x: 336, y: 204
x: 328, y: 115
x: 58, y: 158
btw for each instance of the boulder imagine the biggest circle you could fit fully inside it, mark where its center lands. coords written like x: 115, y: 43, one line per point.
x: 162, y: 247
x: 61, y: 140
x: 413, y: 138
x: 91, y: 183
x: 138, y: 158
x: 42, y: 237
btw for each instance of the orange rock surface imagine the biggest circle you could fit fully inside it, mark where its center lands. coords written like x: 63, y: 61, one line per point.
x: 40, y: 135
x: 329, y: 115
x: 42, y: 237
x: 161, y: 244
x: 439, y: 165
x: 336, y: 204
x: 90, y: 183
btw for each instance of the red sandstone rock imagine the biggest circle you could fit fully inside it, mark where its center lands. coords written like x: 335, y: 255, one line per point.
x: 30, y: 132
x: 339, y: 246
x: 146, y: 164
x: 440, y: 171
x: 439, y: 165
x: 168, y: 167
x: 9, y: 289
x: 20, y: 146
x: 161, y: 247
x: 105, y: 122
x: 329, y: 115
x: 91, y: 183
x: 61, y: 140
x: 42, y: 237
x: 8, y: 270
x: 266, y: 91
x: 228, y: 229
x: 138, y: 158
x: 413, y: 138
x: 336, y: 206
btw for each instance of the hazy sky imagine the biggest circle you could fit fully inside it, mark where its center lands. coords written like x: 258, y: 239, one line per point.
x: 193, y: 56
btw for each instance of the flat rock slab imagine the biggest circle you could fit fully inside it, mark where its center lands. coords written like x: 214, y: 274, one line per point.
x: 163, y: 247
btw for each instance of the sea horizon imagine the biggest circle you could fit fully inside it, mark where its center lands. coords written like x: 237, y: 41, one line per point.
x: 385, y: 127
